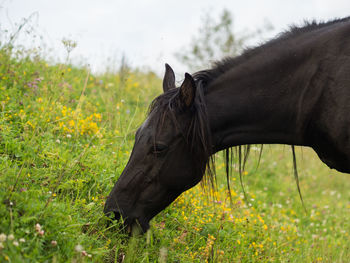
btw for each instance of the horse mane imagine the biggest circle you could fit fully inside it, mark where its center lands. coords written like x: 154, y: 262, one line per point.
x: 226, y: 64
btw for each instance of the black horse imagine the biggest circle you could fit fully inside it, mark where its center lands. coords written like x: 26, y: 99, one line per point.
x: 292, y: 90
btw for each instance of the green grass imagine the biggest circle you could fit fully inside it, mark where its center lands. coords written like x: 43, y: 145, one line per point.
x: 65, y: 137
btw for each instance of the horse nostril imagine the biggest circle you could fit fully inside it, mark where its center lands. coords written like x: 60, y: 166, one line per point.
x: 117, y: 215
x: 113, y: 216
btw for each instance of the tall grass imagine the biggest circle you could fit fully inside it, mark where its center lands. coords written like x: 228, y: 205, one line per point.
x: 65, y: 136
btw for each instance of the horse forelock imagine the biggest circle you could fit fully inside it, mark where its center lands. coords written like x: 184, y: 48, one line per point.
x: 196, y: 133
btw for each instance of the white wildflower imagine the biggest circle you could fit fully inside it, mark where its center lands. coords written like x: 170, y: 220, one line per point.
x: 163, y: 253
x: 79, y: 248
x: 38, y: 227
x: 2, y: 237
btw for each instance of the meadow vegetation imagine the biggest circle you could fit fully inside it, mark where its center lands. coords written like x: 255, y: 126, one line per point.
x: 65, y: 137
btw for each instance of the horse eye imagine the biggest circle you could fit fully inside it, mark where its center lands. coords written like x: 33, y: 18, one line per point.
x: 159, y: 148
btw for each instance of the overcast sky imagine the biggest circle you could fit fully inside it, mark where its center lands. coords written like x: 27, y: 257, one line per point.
x: 149, y: 32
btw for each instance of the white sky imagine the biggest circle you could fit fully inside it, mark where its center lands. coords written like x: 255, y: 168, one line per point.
x: 149, y: 32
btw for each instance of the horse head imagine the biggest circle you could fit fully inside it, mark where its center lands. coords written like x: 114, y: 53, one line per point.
x: 169, y: 155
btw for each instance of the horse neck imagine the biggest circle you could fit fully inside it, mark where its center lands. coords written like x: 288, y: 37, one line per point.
x: 262, y: 101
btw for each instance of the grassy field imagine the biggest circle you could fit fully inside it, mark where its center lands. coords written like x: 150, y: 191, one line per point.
x: 65, y: 136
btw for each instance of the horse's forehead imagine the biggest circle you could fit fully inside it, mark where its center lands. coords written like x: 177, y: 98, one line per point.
x: 151, y: 120
x: 148, y: 124
x: 145, y: 125
x: 155, y: 123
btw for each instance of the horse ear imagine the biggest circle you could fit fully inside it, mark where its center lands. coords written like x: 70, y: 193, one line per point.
x: 169, y: 79
x: 188, y: 90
